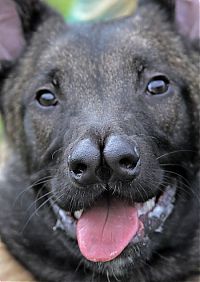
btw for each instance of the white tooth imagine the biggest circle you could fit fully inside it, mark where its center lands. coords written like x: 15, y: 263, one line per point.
x: 77, y: 214
x: 143, y: 209
x: 151, y: 204
x: 147, y: 206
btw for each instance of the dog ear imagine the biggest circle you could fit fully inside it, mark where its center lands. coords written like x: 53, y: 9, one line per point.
x: 187, y: 17
x: 18, y: 19
x: 12, y: 40
x: 187, y: 14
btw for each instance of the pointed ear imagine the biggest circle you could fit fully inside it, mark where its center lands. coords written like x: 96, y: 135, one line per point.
x: 11, y: 32
x: 18, y: 19
x: 187, y: 14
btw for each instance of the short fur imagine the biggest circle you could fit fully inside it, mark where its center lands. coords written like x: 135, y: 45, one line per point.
x: 100, y: 72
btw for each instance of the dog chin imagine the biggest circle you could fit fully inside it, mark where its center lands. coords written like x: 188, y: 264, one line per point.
x: 126, y: 263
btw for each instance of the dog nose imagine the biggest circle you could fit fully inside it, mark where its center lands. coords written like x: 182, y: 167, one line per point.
x: 122, y: 157
x: 120, y: 161
x: 83, y: 162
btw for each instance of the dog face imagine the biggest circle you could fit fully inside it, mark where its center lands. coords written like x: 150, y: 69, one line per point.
x: 105, y: 113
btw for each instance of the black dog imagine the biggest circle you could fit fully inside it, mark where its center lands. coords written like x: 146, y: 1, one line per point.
x: 102, y: 122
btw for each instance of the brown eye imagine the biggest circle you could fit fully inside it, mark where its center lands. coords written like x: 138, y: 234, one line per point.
x: 46, y: 98
x: 158, y: 85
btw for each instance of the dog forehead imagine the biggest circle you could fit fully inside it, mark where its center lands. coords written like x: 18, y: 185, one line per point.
x: 110, y: 45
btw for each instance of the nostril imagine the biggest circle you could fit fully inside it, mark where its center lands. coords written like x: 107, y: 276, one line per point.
x: 128, y: 162
x: 79, y: 169
x: 122, y: 156
x: 83, y: 161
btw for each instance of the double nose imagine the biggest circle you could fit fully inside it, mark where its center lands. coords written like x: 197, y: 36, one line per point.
x: 118, y: 160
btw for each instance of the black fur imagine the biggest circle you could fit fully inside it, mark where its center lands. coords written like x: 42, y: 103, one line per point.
x: 100, y: 73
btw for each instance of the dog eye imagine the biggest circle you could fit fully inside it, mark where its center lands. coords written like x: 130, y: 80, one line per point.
x: 46, y: 98
x: 158, y: 85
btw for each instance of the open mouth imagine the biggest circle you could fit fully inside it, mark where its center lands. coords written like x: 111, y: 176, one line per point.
x: 105, y: 229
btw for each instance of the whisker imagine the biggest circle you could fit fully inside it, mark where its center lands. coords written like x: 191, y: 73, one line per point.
x: 163, y: 257
x: 79, y: 265
x: 53, y: 154
x: 38, y: 199
x: 35, y: 212
x: 38, y: 182
x: 175, y: 173
x: 114, y: 275
x: 179, y: 175
x: 185, y: 185
x: 187, y: 189
x: 175, y: 152
x: 176, y: 165
x: 142, y: 190
x: 144, y: 135
x: 107, y: 275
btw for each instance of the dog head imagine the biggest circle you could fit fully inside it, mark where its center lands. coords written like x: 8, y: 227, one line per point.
x: 108, y: 113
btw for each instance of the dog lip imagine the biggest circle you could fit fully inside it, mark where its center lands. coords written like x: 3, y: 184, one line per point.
x: 65, y: 221
x: 152, y: 213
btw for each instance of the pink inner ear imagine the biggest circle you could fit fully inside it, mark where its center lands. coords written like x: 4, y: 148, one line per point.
x: 12, y: 40
x: 188, y: 18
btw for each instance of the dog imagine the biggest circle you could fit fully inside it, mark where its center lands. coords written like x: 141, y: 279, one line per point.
x: 102, y: 127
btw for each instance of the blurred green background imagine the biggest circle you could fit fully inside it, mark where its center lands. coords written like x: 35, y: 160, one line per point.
x: 63, y: 6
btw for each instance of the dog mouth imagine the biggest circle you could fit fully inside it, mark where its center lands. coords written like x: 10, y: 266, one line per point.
x: 104, y: 230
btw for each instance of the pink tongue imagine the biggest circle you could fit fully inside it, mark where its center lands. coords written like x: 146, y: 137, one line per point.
x: 105, y: 230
